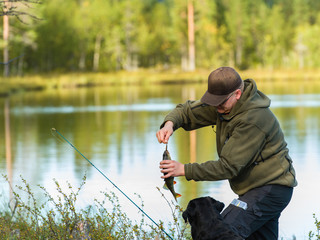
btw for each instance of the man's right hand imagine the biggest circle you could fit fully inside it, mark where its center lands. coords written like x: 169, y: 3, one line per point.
x: 164, y: 133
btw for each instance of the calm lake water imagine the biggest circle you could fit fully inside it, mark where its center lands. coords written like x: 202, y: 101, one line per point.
x: 114, y: 127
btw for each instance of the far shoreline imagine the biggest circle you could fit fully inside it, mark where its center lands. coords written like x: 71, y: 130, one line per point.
x: 38, y: 82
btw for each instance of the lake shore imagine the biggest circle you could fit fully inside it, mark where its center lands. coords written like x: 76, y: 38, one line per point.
x: 39, y: 82
x: 115, y: 127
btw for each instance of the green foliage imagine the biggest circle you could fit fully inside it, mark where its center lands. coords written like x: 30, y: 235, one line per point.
x: 99, y: 35
x: 316, y: 234
x: 58, y: 218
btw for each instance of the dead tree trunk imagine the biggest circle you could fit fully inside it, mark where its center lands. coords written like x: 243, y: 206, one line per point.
x: 191, y: 44
x: 96, y: 57
x: 6, y: 39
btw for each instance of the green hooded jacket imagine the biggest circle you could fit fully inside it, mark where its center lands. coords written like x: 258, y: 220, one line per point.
x: 250, y: 143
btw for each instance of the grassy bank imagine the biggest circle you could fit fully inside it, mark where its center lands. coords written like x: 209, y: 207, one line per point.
x: 71, y: 80
x: 57, y: 217
x: 143, y: 77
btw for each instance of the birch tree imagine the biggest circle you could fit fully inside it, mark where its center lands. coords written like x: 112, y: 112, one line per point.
x: 14, y: 8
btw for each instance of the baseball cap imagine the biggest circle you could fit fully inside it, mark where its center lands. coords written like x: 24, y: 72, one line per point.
x: 221, y: 82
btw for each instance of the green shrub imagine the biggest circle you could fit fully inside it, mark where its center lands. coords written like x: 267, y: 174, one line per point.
x: 58, y: 218
x: 315, y: 235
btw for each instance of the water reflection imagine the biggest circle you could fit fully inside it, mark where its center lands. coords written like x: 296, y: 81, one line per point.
x: 115, y: 129
x: 294, y: 101
x: 149, y: 107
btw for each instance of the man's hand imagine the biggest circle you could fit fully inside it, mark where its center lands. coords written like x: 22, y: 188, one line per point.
x: 171, y: 168
x: 164, y: 133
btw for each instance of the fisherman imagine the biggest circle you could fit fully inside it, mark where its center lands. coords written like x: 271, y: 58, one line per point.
x: 253, y: 155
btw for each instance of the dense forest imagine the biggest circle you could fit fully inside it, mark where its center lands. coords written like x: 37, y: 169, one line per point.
x: 113, y: 35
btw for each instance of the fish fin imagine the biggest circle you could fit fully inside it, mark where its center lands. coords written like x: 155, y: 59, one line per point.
x: 165, y: 187
x: 177, y: 195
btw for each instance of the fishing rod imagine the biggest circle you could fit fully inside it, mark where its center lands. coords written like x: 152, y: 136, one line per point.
x: 56, y: 131
x: 6, y: 63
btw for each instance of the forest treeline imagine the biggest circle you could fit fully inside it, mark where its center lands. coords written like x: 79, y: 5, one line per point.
x: 113, y: 35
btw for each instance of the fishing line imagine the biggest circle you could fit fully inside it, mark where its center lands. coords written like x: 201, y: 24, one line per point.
x: 61, y: 137
x: 6, y: 63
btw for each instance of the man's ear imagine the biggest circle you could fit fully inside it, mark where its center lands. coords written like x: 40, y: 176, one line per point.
x: 238, y: 94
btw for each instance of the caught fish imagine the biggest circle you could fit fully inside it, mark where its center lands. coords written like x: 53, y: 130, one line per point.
x: 169, y: 182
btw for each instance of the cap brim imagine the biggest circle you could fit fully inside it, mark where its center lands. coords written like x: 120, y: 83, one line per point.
x: 213, y: 100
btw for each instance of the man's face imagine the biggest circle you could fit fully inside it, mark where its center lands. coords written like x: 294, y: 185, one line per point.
x: 226, y: 106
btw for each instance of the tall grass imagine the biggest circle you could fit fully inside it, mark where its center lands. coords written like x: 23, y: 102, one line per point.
x: 316, y: 234
x: 58, y: 218
x: 74, y: 80
x: 145, y: 77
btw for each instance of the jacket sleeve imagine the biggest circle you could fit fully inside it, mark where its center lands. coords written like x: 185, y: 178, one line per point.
x: 241, y: 149
x: 191, y: 115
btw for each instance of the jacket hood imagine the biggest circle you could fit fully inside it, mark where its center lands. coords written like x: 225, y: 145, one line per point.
x: 251, y: 98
